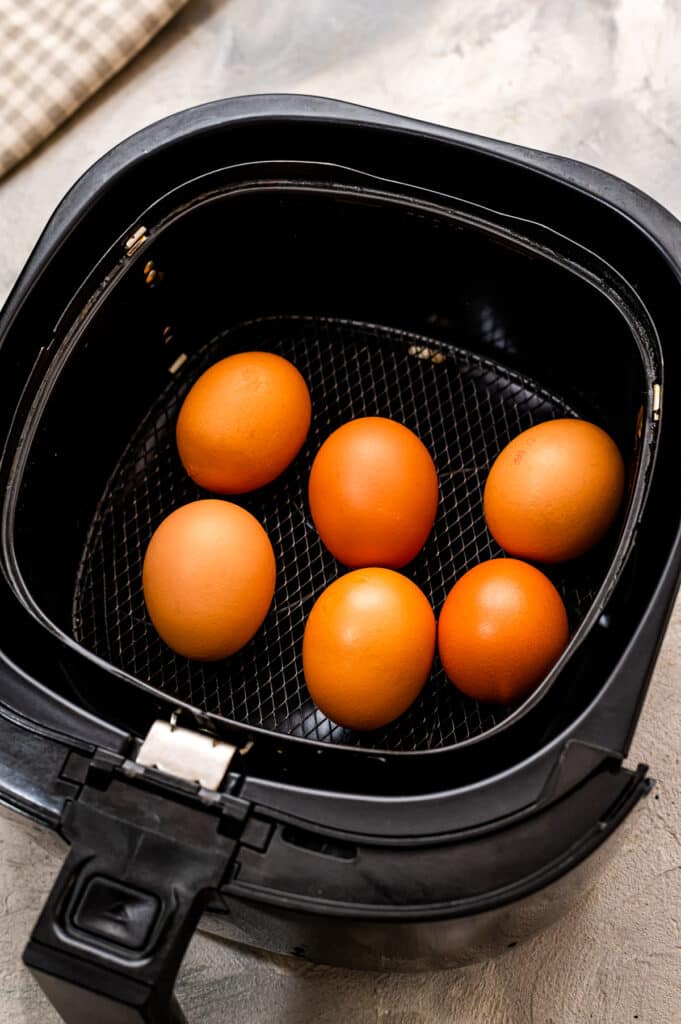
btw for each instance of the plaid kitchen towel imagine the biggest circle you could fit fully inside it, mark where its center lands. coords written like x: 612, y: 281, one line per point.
x: 56, y: 53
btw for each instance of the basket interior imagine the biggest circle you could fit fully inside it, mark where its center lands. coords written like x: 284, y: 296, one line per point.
x: 464, y: 338
x: 465, y: 408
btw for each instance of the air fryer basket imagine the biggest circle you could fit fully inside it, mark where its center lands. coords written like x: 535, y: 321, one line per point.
x: 466, y: 328
x: 464, y: 407
x: 466, y: 286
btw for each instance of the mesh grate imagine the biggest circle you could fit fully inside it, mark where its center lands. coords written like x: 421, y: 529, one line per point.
x: 464, y: 408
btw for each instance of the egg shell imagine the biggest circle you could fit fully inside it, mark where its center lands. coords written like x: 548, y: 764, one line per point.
x: 243, y: 422
x: 373, y: 493
x: 208, y: 579
x: 501, y: 629
x: 368, y: 647
x: 554, y: 491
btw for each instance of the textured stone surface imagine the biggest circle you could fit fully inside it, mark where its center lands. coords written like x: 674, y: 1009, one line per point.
x: 598, y: 80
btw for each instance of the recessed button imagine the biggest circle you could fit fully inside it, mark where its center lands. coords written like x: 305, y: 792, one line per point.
x: 116, y: 913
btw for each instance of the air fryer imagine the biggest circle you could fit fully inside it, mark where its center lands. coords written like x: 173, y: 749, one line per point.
x: 465, y: 287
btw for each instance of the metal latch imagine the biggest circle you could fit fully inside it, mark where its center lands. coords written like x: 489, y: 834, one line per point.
x: 189, y: 755
x: 136, y: 240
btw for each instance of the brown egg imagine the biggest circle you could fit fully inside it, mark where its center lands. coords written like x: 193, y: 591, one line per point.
x: 368, y: 647
x: 243, y: 422
x: 554, y: 491
x: 373, y: 493
x: 501, y: 629
x: 208, y: 579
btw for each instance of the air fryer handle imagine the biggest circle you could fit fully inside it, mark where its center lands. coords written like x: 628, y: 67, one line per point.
x: 111, y: 937
x: 89, y: 978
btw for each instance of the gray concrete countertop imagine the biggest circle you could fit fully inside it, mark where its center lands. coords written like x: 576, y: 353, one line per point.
x: 599, y: 80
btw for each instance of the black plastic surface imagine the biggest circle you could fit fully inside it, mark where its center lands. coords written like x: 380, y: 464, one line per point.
x: 31, y: 763
x: 438, y: 879
x: 115, y: 913
x: 454, y: 935
x: 140, y: 871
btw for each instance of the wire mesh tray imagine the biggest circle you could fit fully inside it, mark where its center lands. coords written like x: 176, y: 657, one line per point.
x: 464, y: 407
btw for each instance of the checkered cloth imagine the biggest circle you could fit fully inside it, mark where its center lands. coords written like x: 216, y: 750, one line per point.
x: 55, y: 53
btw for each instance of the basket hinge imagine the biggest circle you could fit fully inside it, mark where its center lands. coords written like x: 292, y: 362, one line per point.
x: 186, y: 754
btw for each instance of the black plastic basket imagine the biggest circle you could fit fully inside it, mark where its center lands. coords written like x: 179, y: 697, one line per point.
x: 463, y: 286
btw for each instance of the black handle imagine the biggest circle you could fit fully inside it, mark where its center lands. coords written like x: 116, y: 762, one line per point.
x: 111, y: 937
